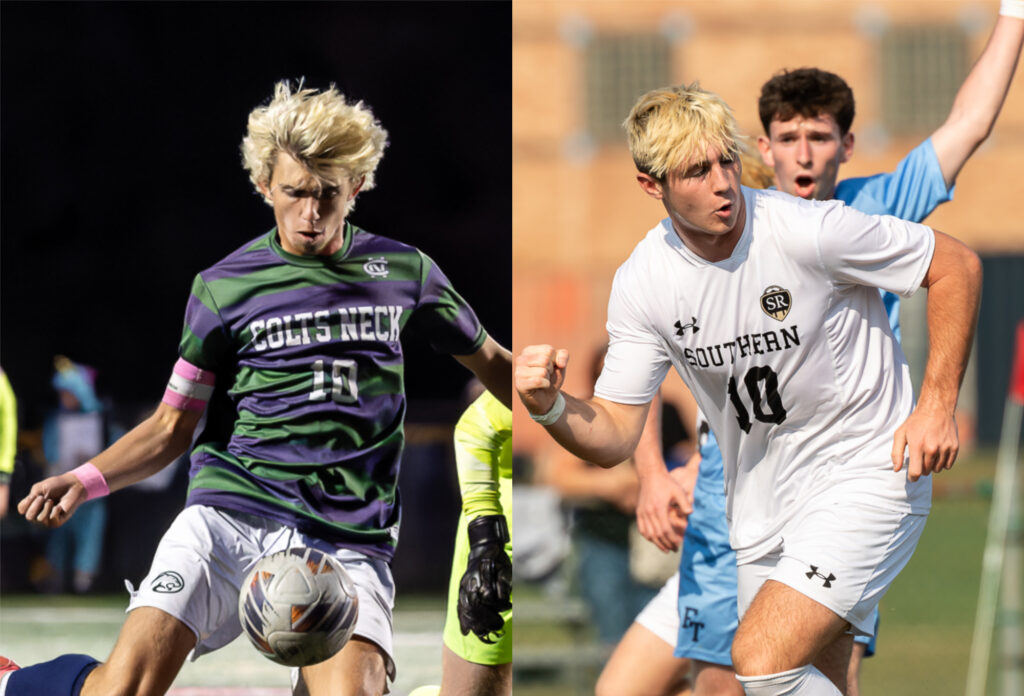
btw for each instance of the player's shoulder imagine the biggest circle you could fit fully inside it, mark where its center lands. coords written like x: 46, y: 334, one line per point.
x: 254, y: 253
x: 385, y: 257
x: 914, y: 188
x: 795, y: 226
x: 652, y: 247
x: 365, y: 242
x: 773, y: 199
x: 788, y: 215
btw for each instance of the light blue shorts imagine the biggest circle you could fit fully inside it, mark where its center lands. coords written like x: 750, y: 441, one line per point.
x: 707, y: 583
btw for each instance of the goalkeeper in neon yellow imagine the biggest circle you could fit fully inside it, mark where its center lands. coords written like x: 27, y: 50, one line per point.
x: 478, y: 629
x: 8, y: 439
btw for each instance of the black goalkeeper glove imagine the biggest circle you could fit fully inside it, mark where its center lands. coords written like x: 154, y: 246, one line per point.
x: 486, y: 587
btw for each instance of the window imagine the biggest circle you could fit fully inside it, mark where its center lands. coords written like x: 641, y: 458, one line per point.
x: 618, y: 70
x: 922, y: 68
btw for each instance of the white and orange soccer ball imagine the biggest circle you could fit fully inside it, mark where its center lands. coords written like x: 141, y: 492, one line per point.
x: 298, y: 607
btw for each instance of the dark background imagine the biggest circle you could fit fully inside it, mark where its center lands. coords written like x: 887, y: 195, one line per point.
x: 121, y: 177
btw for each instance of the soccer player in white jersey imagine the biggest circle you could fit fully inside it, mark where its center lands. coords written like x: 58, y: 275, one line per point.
x: 795, y: 367
x: 653, y: 635
x: 807, y: 114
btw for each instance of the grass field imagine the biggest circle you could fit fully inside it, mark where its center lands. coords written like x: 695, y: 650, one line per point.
x: 923, y: 646
x: 927, y: 616
x: 34, y: 629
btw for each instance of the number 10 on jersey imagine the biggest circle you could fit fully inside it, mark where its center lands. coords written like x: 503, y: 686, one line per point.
x: 342, y: 378
x: 769, y: 396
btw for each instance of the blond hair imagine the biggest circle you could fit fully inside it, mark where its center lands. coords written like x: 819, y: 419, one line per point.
x: 321, y: 130
x: 756, y: 174
x: 672, y: 127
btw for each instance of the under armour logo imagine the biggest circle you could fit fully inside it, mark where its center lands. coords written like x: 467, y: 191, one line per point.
x: 681, y: 327
x: 814, y: 572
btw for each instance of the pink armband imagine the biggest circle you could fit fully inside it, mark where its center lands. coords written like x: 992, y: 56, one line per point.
x: 92, y: 479
x: 190, y: 387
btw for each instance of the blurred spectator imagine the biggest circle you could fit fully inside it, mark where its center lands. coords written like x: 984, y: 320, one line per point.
x: 602, y: 503
x: 73, y: 434
x: 8, y: 439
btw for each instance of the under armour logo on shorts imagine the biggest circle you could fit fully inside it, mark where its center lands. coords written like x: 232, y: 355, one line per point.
x: 814, y: 572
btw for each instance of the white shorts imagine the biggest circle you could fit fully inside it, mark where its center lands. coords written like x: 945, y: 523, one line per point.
x: 661, y: 615
x: 843, y: 556
x: 205, y: 555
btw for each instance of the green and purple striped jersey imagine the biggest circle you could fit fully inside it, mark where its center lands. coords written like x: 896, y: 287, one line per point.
x: 305, y: 423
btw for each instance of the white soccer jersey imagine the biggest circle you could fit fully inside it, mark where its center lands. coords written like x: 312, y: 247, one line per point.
x: 786, y: 347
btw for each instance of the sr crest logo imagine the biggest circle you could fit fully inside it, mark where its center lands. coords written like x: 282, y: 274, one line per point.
x: 776, y: 301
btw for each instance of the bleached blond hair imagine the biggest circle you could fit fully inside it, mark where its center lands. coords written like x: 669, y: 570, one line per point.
x: 321, y: 130
x: 672, y: 127
x: 756, y: 174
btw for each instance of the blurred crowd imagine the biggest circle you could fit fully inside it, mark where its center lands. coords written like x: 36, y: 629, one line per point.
x: 77, y: 424
x: 586, y: 530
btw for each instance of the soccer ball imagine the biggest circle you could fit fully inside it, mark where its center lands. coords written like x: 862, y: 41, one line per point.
x: 298, y: 607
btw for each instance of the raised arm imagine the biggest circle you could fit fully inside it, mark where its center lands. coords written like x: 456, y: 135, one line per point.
x: 981, y: 96
x: 144, y: 450
x: 492, y: 365
x: 596, y: 430
x: 954, y: 291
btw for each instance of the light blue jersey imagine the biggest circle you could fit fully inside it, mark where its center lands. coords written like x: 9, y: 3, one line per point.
x: 707, y: 573
x: 910, y: 192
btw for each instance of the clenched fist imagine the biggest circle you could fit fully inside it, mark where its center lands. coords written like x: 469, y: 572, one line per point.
x: 539, y: 374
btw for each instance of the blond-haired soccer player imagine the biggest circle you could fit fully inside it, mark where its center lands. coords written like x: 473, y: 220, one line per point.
x: 807, y: 116
x: 292, y: 347
x: 653, y: 634
x: 767, y: 305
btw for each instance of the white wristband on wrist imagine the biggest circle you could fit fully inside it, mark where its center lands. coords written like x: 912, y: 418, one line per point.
x: 1012, y: 8
x: 553, y: 414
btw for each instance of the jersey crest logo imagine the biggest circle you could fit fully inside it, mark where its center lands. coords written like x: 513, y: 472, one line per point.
x: 168, y: 582
x: 378, y: 268
x: 776, y: 302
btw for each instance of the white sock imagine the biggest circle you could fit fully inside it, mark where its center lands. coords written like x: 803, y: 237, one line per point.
x: 802, y: 681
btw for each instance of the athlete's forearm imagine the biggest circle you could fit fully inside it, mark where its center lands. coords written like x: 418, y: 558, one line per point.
x: 980, y: 98
x: 148, y: 447
x: 492, y: 365
x: 648, y: 456
x: 954, y: 292
x: 599, y: 431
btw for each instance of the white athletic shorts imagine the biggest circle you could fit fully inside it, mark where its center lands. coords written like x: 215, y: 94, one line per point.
x: 206, y: 553
x: 661, y: 615
x: 842, y: 555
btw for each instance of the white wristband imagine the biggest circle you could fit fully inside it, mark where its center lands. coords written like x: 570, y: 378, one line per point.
x: 1012, y: 8
x: 553, y: 414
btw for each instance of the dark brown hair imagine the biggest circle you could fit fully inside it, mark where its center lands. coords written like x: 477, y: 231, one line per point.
x: 807, y: 92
